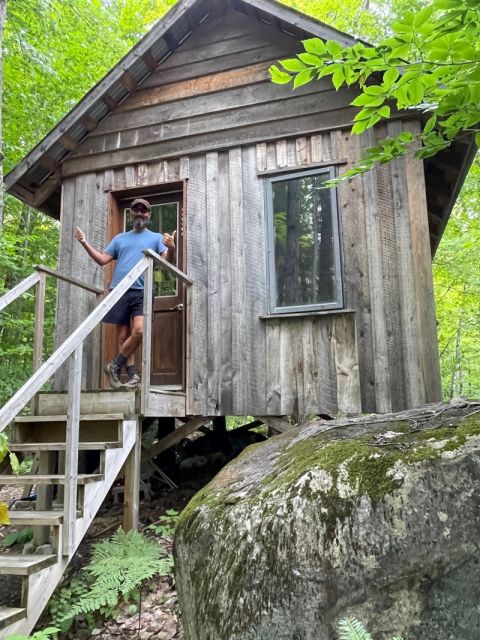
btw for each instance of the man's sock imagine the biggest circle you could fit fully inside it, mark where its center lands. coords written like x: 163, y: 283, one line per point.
x: 130, y: 371
x: 120, y: 360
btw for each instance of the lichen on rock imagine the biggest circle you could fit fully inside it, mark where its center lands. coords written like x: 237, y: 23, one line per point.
x: 363, y: 517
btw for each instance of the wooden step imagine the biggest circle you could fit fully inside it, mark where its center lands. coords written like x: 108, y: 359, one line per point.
x: 32, y: 517
x: 88, y: 417
x: 9, y: 615
x: 61, y: 446
x: 48, y: 479
x: 107, y: 401
x: 12, y: 564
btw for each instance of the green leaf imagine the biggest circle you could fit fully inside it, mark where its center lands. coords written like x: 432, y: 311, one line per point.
x: 390, y: 76
x: 422, y: 16
x: 477, y: 139
x: 360, y: 127
x: 384, y: 112
x: 338, y: 78
x: 293, y: 64
x: 314, y: 45
x: 430, y: 124
x: 311, y: 59
x: 334, y: 48
x: 415, y: 92
x: 303, y: 78
x: 445, y: 4
x: 364, y: 100
x: 14, y: 463
x: 278, y: 76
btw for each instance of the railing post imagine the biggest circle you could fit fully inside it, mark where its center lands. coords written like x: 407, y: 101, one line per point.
x: 97, y: 346
x: 147, y: 335
x: 71, y: 450
x: 39, y: 321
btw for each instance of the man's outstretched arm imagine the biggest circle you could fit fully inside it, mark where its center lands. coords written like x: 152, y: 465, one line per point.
x: 100, y: 257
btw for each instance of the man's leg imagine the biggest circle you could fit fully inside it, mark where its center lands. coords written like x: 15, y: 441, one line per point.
x: 127, y: 352
x: 114, y: 368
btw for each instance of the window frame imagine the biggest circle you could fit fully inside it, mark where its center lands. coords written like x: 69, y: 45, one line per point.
x: 338, y: 303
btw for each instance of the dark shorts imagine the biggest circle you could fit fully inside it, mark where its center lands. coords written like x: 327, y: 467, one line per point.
x: 129, y: 306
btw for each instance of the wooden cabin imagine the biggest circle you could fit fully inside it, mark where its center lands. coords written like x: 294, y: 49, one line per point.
x: 288, y: 313
x: 286, y: 298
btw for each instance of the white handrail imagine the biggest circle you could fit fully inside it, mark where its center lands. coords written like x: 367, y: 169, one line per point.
x: 17, y: 291
x: 50, y: 366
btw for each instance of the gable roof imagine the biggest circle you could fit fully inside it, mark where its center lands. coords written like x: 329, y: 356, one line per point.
x: 36, y: 179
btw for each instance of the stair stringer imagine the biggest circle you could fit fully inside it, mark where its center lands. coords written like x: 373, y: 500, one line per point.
x: 42, y: 584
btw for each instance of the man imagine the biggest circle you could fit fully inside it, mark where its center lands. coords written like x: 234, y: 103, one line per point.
x: 127, y: 249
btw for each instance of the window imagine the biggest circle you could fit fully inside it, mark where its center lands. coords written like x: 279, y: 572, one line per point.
x: 165, y: 218
x: 303, y: 243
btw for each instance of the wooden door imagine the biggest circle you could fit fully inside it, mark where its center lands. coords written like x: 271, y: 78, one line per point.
x: 168, y: 352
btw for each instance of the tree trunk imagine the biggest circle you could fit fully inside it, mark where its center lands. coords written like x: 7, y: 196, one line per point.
x: 3, y: 12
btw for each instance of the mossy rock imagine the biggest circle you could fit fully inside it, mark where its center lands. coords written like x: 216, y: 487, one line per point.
x: 376, y: 518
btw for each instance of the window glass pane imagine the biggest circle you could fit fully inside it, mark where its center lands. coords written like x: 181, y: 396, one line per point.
x: 304, y: 242
x: 164, y: 220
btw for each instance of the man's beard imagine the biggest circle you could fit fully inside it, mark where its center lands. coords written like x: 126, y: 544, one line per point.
x: 139, y: 224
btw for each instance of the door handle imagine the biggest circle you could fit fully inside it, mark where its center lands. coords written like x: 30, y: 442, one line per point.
x: 177, y: 307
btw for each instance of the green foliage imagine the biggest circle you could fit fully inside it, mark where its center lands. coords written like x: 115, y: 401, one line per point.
x: 353, y: 629
x: 165, y: 526
x: 50, y: 633
x: 54, y: 52
x: 457, y: 286
x: 430, y: 61
x: 18, y: 537
x: 114, y: 574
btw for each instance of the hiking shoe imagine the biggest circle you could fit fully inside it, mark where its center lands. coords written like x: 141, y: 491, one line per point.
x: 113, y: 372
x: 133, y: 382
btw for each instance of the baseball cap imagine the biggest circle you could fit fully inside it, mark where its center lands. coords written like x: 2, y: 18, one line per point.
x: 140, y: 201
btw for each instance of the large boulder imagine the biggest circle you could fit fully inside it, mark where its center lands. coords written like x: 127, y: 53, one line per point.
x: 377, y: 519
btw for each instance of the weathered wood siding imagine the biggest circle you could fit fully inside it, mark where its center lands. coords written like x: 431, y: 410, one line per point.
x: 209, y: 114
x: 213, y: 92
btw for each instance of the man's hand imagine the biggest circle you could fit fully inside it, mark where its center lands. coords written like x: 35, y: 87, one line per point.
x: 170, y: 240
x: 79, y: 235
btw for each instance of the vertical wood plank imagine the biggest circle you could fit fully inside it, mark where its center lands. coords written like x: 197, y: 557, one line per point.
x: 147, y: 337
x: 274, y: 363
x: 346, y: 364
x: 303, y: 150
x: 214, y: 258
x: 238, y: 241
x: 131, y: 496
x: 388, y: 239
x: 254, y: 237
x: 226, y: 370
x: 282, y: 160
x: 197, y: 248
x: 351, y: 201
x: 71, y: 450
x: 261, y: 156
x: 184, y: 168
x: 39, y: 321
x: 415, y: 391
x: 327, y: 379
x: 422, y: 263
x: 374, y: 249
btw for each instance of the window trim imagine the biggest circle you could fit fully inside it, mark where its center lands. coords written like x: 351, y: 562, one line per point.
x: 338, y: 303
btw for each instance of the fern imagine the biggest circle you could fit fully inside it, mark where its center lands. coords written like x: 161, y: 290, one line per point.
x: 118, y: 566
x: 353, y: 629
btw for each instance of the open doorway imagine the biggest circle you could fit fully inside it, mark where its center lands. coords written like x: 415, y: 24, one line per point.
x: 168, y: 318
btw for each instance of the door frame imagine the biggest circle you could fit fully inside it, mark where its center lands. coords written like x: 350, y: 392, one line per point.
x: 114, y: 226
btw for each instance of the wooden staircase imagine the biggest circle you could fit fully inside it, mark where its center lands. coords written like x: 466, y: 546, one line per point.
x: 115, y: 436
x: 61, y: 427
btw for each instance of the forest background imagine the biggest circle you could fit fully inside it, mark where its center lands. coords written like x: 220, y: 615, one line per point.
x: 54, y: 51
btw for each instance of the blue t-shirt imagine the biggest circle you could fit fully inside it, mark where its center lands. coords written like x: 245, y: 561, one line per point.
x: 127, y: 249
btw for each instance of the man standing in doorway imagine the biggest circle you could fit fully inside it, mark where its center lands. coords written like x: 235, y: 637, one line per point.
x: 127, y: 315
